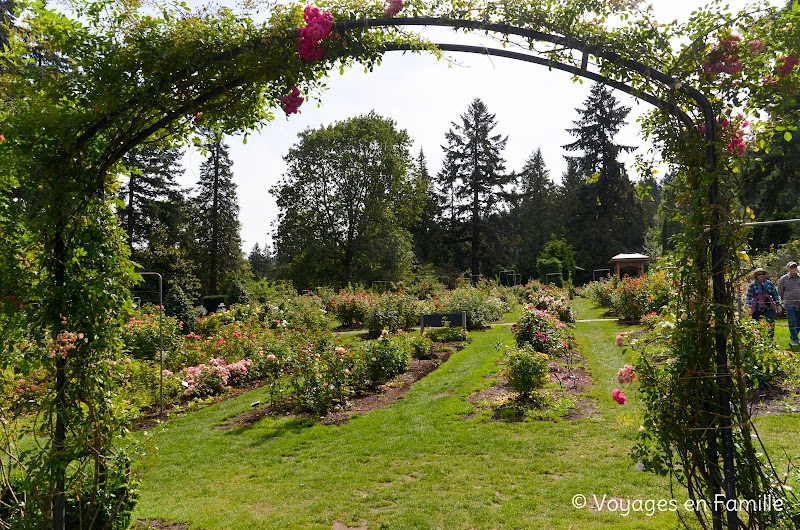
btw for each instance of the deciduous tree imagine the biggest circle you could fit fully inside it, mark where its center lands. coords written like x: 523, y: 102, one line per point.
x: 347, y: 200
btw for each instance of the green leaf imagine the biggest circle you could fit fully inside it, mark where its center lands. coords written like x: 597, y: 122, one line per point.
x: 787, y: 136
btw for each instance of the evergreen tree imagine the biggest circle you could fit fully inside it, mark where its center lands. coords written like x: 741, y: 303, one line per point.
x: 151, y: 195
x: 430, y: 233
x: 7, y: 20
x: 610, y: 218
x: 260, y: 261
x: 474, y: 171
x: 173, y: 261
x: 769, y: 187
x: 216, y: 217
x: 533, y: 212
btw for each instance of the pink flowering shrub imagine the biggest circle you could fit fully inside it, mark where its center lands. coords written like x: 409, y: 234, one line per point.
x: 619, y: 339
x: 393, y: 7
x: 756, y: 47
x: 553, y: 300
x: 351, y: 307
x: 291, y: 102
x: 141, y: 333
x: 650, y: 320
x: 542, y: 331
x: 318, y: 27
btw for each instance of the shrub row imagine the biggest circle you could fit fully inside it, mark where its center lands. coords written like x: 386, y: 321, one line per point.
x: 396, y: 311
x: 541, y: 338
x: 632, y: 298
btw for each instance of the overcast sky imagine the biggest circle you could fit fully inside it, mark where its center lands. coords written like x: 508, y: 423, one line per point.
x: 532, y: 106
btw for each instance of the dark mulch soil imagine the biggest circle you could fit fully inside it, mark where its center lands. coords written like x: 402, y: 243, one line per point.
x: 570, y: 379
x: 158, y: 524
x: 774, y: 400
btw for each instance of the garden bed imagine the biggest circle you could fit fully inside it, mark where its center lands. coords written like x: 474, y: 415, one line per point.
x: 564, y: 397
x: 384, y: 396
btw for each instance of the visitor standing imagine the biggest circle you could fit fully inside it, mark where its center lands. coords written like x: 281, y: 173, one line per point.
x: 763, y: 299
x: 789, y: 291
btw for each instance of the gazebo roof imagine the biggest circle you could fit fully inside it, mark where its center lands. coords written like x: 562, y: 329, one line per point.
x: 630, y: 257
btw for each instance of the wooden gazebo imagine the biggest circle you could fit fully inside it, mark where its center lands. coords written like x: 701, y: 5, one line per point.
x: 620, y: 262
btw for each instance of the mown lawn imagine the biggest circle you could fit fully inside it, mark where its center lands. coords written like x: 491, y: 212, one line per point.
x: 426, y: 461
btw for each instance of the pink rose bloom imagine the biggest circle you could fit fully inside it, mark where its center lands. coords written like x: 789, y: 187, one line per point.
x: 756, y: 47
x: 394, y: 7
x: 271, y: 357
x: 626, y: 374
x: 618, y: 340
x: 618, y: 396
x: 290, y: 103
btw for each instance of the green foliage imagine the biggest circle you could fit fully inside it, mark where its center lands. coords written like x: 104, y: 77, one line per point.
x: 178, y: 305
x: 527, y: 369
x: 601, y: 292
x: 393, y: 312
x: 550, y: 271
x: 446, y: 333
x: 385, y: 358
x: 235, y: 292
x: 143, y: 331
x: 562, y: 251
x: 481, y: 309
x: 761, y: 360
x: 346, y: 201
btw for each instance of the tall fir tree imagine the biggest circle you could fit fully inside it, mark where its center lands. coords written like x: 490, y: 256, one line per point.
x: 260, y: 260
x: 430, y: 232
x: 151, y: 194
x: 215, y: 209
x: 769, y: 187
x: 533, y: 212
x: 610, y: 217
x: 474, y: 170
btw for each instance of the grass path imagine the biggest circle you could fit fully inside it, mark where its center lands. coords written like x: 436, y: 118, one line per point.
x: 427, y: 461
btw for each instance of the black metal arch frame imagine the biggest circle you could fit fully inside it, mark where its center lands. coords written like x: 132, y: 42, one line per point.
x: 723, y: 375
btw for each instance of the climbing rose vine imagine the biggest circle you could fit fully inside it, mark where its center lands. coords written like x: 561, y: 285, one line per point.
x: 724, y: 57
x: 394, y: 7
x: 318, y: 26
x: 291, y: 102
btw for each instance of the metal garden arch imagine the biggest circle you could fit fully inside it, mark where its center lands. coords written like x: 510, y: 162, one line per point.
x: 723, y: 375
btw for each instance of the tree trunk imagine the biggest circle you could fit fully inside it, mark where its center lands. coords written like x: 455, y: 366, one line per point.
x: 475, y: 218
x: 131, y: 195
x: 214, y: 261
